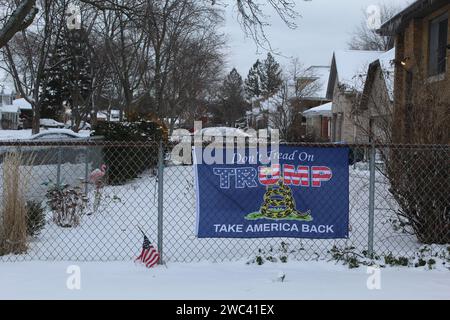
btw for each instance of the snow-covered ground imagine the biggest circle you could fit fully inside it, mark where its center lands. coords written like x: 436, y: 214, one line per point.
x: 201, y: 268
x: 111, y: 234
x: 228, y: 281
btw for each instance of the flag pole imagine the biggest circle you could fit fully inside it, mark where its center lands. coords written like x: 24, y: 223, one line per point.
x: 143, y: 233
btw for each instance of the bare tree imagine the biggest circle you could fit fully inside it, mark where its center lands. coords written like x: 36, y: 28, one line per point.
x: 194, y: 76
x: 366, y: 38
x: 281, y: 112
x: 418, y: 178
x: 127, y: 49
x: 251, y: 15
x: 287, y: 105
x: 19, y: 15
x: 254, y: 21
x: 28, y: 53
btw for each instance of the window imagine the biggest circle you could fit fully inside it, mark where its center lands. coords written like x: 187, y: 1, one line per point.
x: 438, y: 46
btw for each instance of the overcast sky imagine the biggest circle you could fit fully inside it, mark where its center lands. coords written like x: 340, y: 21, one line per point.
x: 324, y: 26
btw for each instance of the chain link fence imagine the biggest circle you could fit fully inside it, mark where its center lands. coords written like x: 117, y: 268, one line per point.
x: 59, y: 203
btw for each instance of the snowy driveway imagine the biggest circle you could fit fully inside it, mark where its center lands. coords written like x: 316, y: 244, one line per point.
x: 228, y: 281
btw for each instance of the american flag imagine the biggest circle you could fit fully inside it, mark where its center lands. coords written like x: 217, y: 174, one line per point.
x: 149, y: 255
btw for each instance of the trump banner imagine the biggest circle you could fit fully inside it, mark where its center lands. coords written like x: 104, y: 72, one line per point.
x: 301, y: 192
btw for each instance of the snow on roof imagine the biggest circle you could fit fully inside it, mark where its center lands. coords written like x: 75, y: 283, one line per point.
x: 322, y: 75
x: 324, y: 110
x: 22, y: 104
x: 9, y: 109
x: 388, y: 69
x: 223, y: 132
x: 352, y: 66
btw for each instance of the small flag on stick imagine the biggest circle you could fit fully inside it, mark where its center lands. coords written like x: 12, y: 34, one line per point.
x: 149, y: 255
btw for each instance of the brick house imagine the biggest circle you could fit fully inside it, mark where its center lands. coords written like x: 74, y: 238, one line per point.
x: 422, y: 75
x: 345, y: 86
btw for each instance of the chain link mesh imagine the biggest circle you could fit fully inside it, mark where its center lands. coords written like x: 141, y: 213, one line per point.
x: 54, y: 182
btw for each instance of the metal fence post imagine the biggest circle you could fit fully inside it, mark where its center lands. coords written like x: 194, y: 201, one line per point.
x: 160, y: 199
x: 86, y: 171
x: 372, y: 201
x: 58, y: 169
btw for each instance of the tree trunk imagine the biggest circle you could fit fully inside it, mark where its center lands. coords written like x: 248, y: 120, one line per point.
x: 36, y: 123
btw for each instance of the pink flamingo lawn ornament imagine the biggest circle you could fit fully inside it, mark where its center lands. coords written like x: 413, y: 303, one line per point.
x: 96, y: 177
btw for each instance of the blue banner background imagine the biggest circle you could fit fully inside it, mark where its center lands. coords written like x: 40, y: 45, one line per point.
x: 221, y: 213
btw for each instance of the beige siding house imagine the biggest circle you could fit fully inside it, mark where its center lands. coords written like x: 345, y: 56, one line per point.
x: 377, y: 102
x: 345, y: 87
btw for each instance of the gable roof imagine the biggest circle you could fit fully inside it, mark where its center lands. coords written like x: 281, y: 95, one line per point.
x: 387, y: 68
x: 386, y: 62
x: 324, y: 110
x: 9, y: 109
x: 321, y: 75
x: 22, y: 104
x: 349, y: 68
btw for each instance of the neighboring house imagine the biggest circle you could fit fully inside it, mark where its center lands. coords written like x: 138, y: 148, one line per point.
x: 108, y: 116
x: 9, y: 117
x: 376, y: 106
x: 6, y: 99
x: 345, y: 86
x: 316, y: 78
x: 318, y: 122
x: 13, y: 112
x: 422, y: 73
x: 26, y: 113
x: 286, y: 108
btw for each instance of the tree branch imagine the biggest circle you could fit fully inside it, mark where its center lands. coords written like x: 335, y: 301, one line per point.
x: 20, y: 19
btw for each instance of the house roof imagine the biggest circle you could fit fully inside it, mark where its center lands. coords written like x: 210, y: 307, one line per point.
x: 387, y: 68
x: 22, y: 104
x: 417, y: 9
x: 386, y: 62
x: 324, y: 110
x: 9, y: 109
x: 349, y: 69
x: 352, y: 65
x: 321, y: 75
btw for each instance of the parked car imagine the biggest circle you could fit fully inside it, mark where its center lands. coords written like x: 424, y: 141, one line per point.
x: 51, y: 124
x: 44, y: 155
x: 58, y: 135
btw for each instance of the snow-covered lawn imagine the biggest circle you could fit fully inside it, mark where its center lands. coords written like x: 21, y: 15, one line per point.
x: 228, y: 281
x: 111, y: 234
